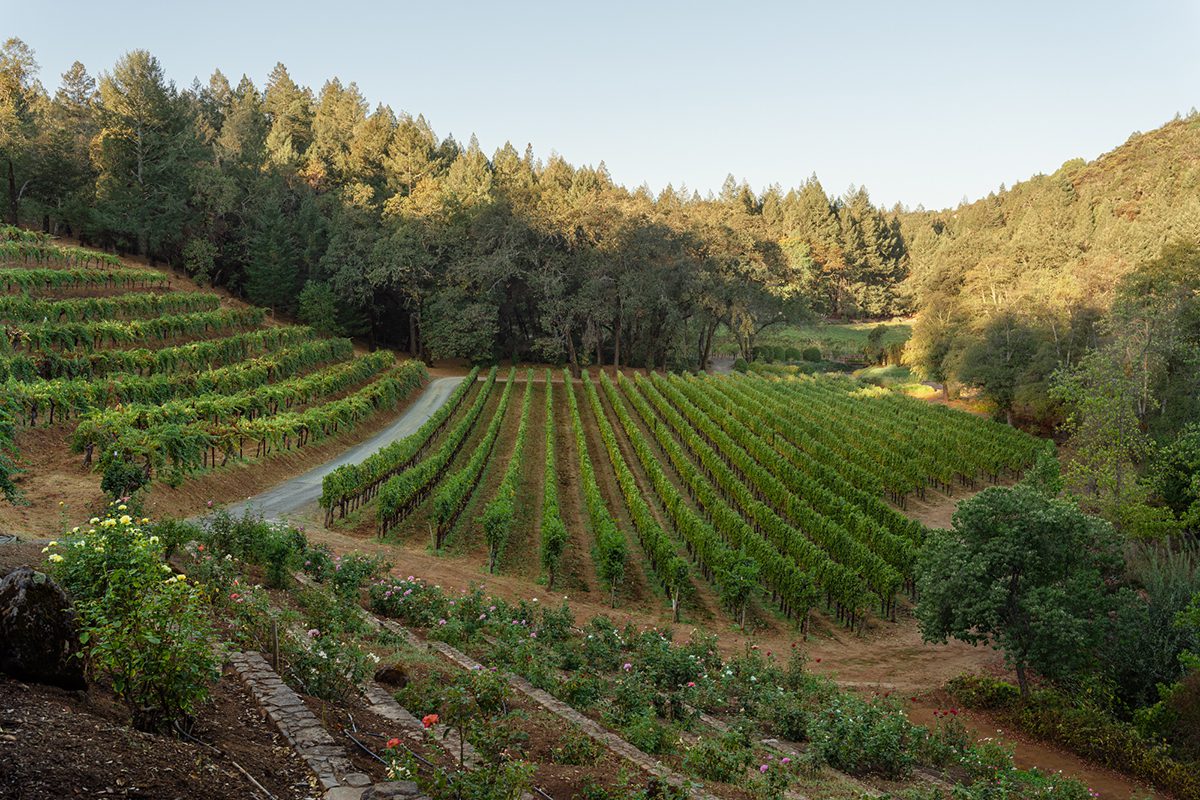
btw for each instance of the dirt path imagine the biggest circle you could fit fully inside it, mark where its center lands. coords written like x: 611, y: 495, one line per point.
x: 578, y: 570
x: 467, y: 535
x: 294, y: 494
x: 522, y: 556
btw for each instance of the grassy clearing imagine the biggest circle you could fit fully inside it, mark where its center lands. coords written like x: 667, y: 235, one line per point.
x: 834, y: 339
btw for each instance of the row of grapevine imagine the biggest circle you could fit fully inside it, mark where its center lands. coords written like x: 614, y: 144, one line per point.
x: 671, y: 570
x: 454, y: 492
x: 912, y: 444
x: 727, y: 548
x: 756, y: 415
x: 845, y: 591
x: 402, y: 493
x: 350, y: 486
x: 610, y: 552
x: 896, y: 548
x: 848, y: 538
x: 23, y: 308
x: 904, y: 467
x: 43, y: 336
x: 180, y: 449
x: 40, y: 252
x: 11, y: 233
x: 498, y: 515
x: 99, y: 427
x: 554, y: 532
x: 822, y: 444
x: 27, y: 279
x: 58, y: 399
x: 185, y: 358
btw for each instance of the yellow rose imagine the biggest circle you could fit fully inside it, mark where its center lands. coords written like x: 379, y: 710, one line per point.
x: 55, y: 557
x: 126, y: 519
x: 93, y: 520
x: 53, y: 543
x: 122, y: 507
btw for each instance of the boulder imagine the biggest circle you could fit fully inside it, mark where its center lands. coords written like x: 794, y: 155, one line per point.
x: 393, y: 790
x: 39, y: 637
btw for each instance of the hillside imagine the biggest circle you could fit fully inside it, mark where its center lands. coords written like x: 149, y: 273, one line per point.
x: 117, y: 374
x: 1064, y: 237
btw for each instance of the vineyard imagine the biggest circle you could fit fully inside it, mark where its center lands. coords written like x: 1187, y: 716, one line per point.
x: 164, y: 381
x: 766, y: 494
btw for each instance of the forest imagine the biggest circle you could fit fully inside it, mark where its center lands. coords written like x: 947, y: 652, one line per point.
x: 362, y: 221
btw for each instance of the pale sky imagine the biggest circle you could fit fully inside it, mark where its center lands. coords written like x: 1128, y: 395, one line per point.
x: 922, y: 102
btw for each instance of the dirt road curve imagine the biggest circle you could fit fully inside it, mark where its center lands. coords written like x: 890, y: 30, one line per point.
x: 292, y: 495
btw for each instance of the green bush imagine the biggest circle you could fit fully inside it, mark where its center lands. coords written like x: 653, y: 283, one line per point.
x: 577, y: 749
x: 981, y: 691
x: 122, y: 480
x: 740, y: 365
x: 148, y: 631
x: 812, y: 354
x: 864, y: 737
x: 649, y: 735
x: 325, y: 664
x: 725, y: 758
x: 159, y: 655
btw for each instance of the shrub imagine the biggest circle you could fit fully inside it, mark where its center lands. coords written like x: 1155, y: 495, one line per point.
x: 649, y: 735
x: 327, y: 665
x: 812, y: 354
x: 860, y: 737
x: 174, y: 533
x: 980, y: 691
x: 725, y: 758
x: 411, y: 601
x: 159, y: 655
x: 740, y: 365
x: 123, y: 479
x: 577, y: 749
x: 145, y: 629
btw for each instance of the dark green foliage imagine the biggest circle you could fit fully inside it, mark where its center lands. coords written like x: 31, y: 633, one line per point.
x: 1081, y: 726
x: 1022, y: 572
x: 123, y: 479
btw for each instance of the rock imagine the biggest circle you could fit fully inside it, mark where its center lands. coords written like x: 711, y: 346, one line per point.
x: 392, y: 675
x: 39, y: 636
x: 393, y: 790
x: 343, y: 793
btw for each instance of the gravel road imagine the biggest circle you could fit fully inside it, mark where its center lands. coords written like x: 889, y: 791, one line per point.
x: 292, y: 495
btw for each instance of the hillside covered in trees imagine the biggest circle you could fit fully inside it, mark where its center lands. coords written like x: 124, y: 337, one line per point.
x: 1027, y: 276
x: 363, y: 221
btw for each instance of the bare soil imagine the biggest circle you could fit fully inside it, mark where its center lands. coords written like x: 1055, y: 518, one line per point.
x: 55, y: 743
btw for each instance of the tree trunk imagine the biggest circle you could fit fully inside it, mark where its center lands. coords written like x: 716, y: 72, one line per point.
x: 1022, y: 680
x: 413, y: 349
x: 12, y: 194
